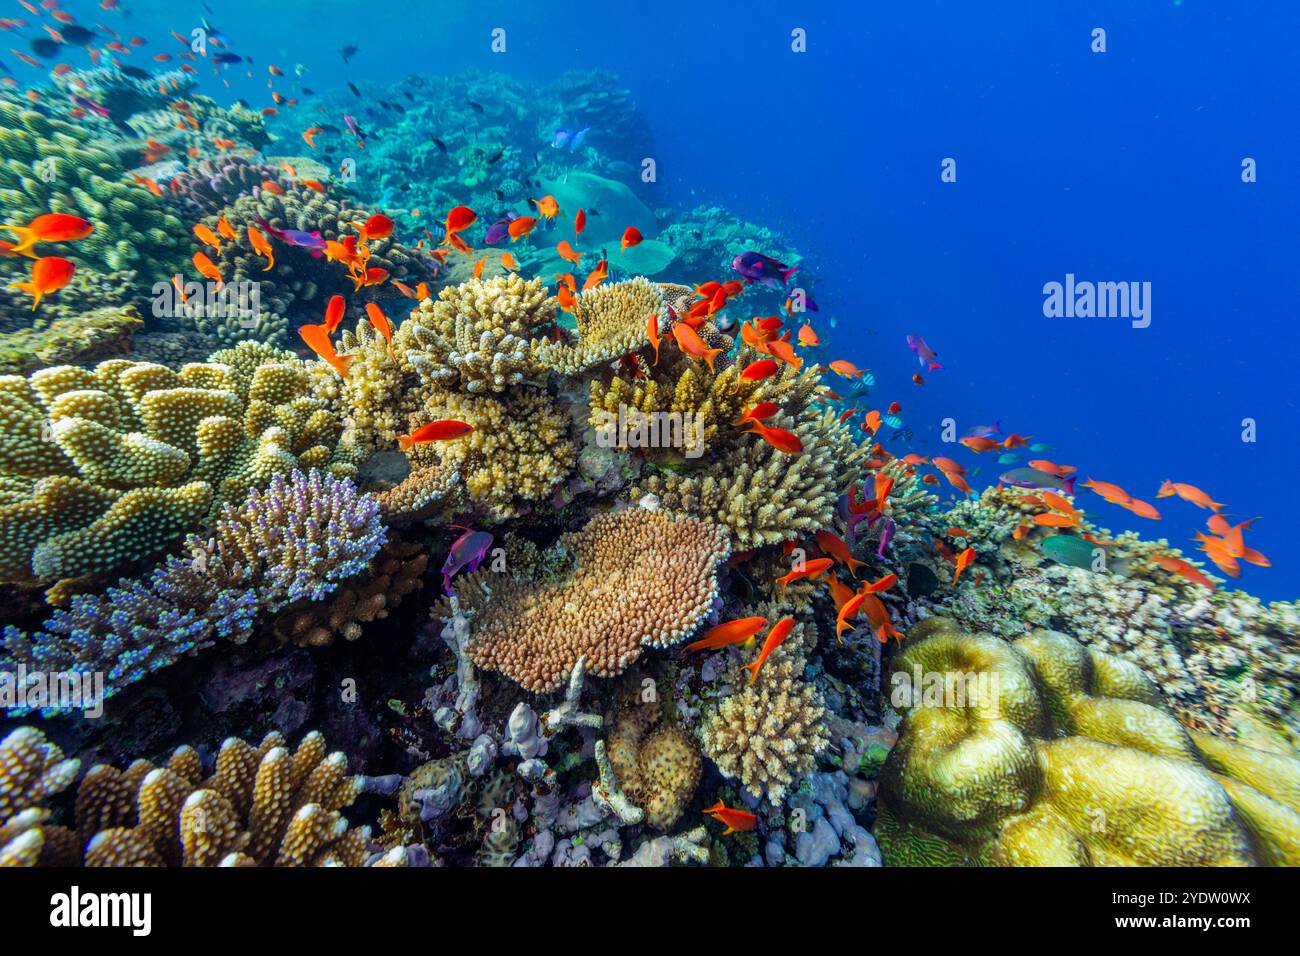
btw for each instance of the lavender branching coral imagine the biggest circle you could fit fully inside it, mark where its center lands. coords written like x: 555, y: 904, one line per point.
x: 297, y: 540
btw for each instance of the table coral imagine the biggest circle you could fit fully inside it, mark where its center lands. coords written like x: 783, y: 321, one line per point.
x: 637, y: 579
x: 108, y: 466
x: 1043, y: 752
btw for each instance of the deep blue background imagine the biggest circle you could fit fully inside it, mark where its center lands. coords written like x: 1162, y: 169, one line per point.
x: 1124, y: 165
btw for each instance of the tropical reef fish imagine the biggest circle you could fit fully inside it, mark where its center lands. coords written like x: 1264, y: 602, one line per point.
x: 775, y: 638
x: 467, y: 553
x: 441, y: 430
x: 924, y: 354
x: 50, y: 227
x: 49, y: 274
x: 1033, y: 478
x: 737, y: 821
x: 1188, y: 493
x: 756, y: 267
x: 727, y: 633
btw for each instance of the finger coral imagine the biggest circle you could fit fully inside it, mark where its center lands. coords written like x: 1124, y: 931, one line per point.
x: 260, y: 806
x: 107, y: 466
x: 637, y: 579
x: 1042, y: 752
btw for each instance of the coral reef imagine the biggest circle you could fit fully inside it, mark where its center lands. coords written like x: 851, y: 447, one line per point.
x: 637, y: 578
x: 1043, y: 752
x: 74, y: 340
x: 32, y: 771
x: 107, y: 466
x: 657, y: 764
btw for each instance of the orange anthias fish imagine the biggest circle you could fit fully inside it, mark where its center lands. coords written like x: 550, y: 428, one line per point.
x: 850, y: 609
x: 309, y: 135
x: 207, y: 237
x: 508, y: 261
x: 1053, y: 520
x: 568, y: 253
x: 834, y: 545
x: 878, y: 616
x: 759, y: 413
x: 1189, y: 493
x: 1056, y: 502
x: 807, y: 336
x: 775, y: 638
x: 568, y: 301
x: 652, y: 333
x: 980, y: 445
x: 871, y: 421
x: 459, y: 218
x: 1184, y: 569
x: 207, y: 269
x: 963, y: 562
x: 783, y: 350
x: 520, y: 227
x: 372, y: 276
x: 737, y: 821
x: 442, y: 430
x: 779, y: 438
x: 50, y: 227
x: 263, y: 247
x: 1112, y: 493
x: 631, y: 237
x: 840, y: 592
x: 579, y: 222
x: 1016, y: 441
x: 810, y: 569
x: 597, y: 275
x: 847, y: 369
x: 334, y: 313
x: 689, y: 341
x: 1060, y: 471
x: 727, y: 633
x: 479, y: 266
x: 318, y: 340
x: 49, y: 274
x: 547, y: 207
x: 756, y: 371
x: 381, y: 325
x: 377, y: 226
x: 1141, y: 509
x: 224, y: 227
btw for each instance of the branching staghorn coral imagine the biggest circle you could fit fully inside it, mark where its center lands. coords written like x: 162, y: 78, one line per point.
x: 763, y: 496
x: 32, y: 771
x: 637, y: 578
x: 107, y: 466
x: 133, y: 228
x: 260, y: 806
x: 1043, y: 752
x: 294, y: 542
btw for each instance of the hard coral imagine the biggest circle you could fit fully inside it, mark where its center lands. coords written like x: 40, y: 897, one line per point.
x: 1042, y: 752
x: 637, y: 578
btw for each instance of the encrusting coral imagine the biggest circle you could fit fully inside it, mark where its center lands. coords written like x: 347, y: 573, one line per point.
x: 637, y: 579
x: 260, y: 806
x: 1043, y: 752
x: 102, y: 467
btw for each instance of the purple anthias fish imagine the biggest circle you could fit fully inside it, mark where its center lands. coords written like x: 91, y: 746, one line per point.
x: 296, y: 237
x: 466, y: 553
x: 756, y: 267
x: 985, y: 431
x: 1033, y: 478
x: 86, y: 104
x: 924, y: 353
x: 886, y: 536
x: 498, y: 231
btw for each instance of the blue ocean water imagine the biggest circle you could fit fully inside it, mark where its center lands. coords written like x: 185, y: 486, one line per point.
x: 1123, y: 165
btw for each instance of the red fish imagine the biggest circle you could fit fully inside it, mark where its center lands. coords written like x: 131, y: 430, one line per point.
x: 319, y: 341
x: 381, y: 324
x: 579, y: 223
x: 810, y: 569
x: 779, y: 438
x: 631, y: 237
x: 834, y: 545
x: 756, y: 371
x: 727, y: 633
x: 442, y: 430
x: 775, y: 638
x: 1188, y: 493
x: 49, y: 274
x: 963, y: 562
x: 334, y: 312
x: 737, y: 821
x: 50, y: 227
x: 689, y: 341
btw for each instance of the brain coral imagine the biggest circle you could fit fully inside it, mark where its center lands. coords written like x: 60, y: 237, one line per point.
x: 636, y: 578
x: 106, y: 466
x: 1042, y: 752
x: 260, y: 806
